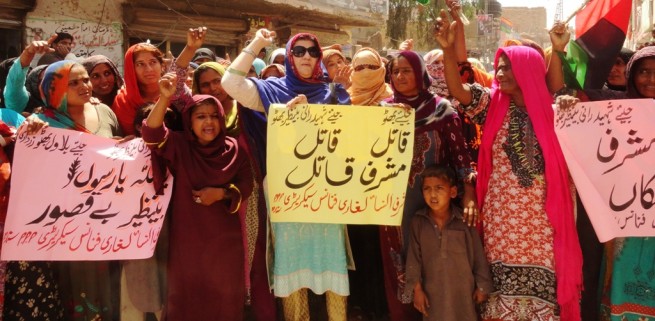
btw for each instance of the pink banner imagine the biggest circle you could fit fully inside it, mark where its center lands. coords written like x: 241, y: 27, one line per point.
x: 76, y: 196
x: 607, y: 146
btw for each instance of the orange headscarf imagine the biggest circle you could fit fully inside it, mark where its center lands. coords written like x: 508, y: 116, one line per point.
x: 129, y: 100
x: 368, y: 87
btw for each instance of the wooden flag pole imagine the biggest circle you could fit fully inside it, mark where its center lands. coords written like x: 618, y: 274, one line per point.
x: 576, y: 11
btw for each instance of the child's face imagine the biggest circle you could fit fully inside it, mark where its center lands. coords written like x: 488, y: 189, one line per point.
x: 437, y: 193
x: 205, y: 123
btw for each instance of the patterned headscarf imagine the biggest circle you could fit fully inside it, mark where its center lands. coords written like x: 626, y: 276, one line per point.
x: 54, y: 85
x: 319, y: 75
x: 368, y: 87
x: 428, y: 117
x: 432, y: 56
x: 436, y: 70
x: 54, y: 89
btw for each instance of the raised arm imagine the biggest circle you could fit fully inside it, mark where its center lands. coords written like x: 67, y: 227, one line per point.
x: 194, y: 40
x: 559, y: 37
x: 234, y: 81
x: 408, y: 44
x: 15, y: 93
x: 244, y: 60
x: 460, y: 41
x: 445, y: 33
x: 166, y: 90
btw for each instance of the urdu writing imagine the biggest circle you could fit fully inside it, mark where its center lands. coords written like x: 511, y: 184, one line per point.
x: 339, y: 164
x: 95, y: 199
x: 607, y: 146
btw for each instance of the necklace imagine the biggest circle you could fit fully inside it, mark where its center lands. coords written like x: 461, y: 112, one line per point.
x: 522, y: 147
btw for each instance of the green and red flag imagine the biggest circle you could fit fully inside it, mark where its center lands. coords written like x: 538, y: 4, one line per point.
x: 600, y: 29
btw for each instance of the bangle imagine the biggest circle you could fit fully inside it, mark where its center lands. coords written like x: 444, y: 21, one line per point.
x: 249, y: 51
x: 236, y: 72
x: 233, y: 187
x: 159, y: 144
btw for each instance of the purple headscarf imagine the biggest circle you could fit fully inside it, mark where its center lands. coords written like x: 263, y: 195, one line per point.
x: 428, y: 117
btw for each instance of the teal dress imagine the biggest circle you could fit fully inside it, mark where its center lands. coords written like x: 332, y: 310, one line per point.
x: 310, y: 255
x: 629, y: 280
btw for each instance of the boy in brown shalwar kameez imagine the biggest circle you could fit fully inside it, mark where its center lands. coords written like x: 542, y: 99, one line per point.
x: 446, y: 265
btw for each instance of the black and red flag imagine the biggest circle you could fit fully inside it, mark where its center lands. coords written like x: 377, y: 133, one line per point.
x: 600, y: 29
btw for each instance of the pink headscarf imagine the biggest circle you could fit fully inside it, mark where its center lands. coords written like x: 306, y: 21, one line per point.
x: 530, y: 74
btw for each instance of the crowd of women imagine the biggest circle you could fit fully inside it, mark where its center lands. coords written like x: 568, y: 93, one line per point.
x: 220, y: 258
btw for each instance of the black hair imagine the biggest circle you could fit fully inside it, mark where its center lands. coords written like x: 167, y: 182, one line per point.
x: 171, y: 118
x: 63, y: 36
x: 440, y: 171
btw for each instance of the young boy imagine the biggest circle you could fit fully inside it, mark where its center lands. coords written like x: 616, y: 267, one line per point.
x: 446, y: 265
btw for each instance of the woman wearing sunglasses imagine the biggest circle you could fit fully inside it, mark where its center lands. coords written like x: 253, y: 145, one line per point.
x: 307, y: 255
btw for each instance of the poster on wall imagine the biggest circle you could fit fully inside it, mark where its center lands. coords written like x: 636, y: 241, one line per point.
x: 90, y: 38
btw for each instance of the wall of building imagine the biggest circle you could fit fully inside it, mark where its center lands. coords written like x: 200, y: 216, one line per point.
x: 641, y: 24
x: 529, y: 23
x: 96, y: 25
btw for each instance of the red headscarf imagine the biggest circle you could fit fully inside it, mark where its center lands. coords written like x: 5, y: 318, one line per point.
x: 128, y: 100
x: 530, y: 73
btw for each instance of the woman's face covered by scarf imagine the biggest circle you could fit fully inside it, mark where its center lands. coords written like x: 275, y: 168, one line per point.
x: 436, y: 70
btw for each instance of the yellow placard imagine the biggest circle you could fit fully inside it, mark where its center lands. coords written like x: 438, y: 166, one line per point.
x: 338, y: 164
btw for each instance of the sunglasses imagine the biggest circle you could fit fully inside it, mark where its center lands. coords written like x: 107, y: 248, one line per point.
x: 366, y: 66
x: 299, y: 51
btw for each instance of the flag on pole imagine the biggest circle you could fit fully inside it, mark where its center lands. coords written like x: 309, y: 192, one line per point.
x: 600, y: 30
